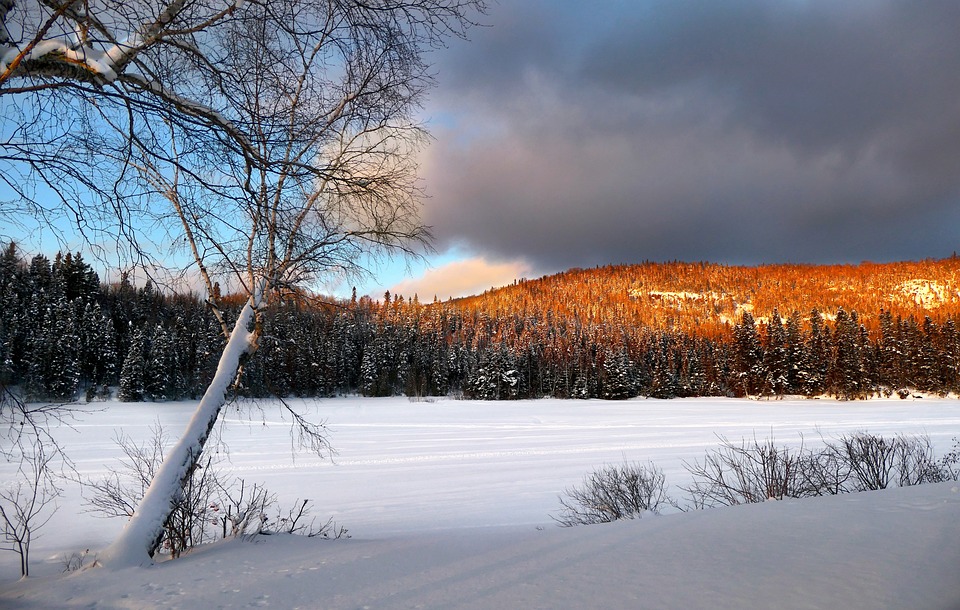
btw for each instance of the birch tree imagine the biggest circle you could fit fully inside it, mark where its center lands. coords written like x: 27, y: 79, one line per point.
x: 274, y: 141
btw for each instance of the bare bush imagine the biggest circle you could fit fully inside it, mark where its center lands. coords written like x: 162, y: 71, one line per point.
x: 950, y: 463
x: 871, y: 459
x: 243, y: 509
x: 916, y: 462
x: 875, y: 462
x: 118, y: 494
x: 747, y: 473
x: 75, y: 561
x: 624, y: 491
x: 209, y: 508
x: 295, y: 521
x: 758, y: 471
x: 823, y: 473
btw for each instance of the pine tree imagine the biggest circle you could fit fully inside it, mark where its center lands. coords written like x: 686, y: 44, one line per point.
x: 890, y: 370
x: 796, y: 354
x: 950, y: 356
x: 817, y: 356
x: 161, y: 377
x: 748, y: 356
x: 63, y: 374
x: 617, y: 382
x: 133, y: 373
x: 97, y: 342
x: 775, y: 357
x: 52, y: 369
x: 846, y: 377
x: 369, y: 371
x: 76, y: 278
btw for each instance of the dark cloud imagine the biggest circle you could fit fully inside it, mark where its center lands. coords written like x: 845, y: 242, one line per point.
x: 742, y: 131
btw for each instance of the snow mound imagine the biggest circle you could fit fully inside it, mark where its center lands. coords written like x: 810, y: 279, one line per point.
x: 892, y: 549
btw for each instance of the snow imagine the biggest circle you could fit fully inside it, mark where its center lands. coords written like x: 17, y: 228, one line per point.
x: 448, y: 503
x: 928, y: 294
x: 95, y: 60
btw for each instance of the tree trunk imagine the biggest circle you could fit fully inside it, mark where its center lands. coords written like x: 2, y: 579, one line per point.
x: 142, y: 535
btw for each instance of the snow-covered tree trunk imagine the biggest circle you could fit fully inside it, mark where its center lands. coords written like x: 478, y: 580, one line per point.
x: 142, y: 534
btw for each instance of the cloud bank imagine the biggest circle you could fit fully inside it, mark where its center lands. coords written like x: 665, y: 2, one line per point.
x: 743, y: 131
x: 460, y: 278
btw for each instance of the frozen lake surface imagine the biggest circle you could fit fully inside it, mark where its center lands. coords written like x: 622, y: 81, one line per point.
x: 440, y: 471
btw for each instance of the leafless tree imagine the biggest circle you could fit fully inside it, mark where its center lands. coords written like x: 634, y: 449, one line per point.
x: 273, y: 141
x: 211, y: 505
x: 28, y: 502
x: 622, y: 491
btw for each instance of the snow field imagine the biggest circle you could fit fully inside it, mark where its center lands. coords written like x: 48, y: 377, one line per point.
x: 447, y: 496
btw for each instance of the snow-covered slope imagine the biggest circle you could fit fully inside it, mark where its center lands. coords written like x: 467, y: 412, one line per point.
x: 897, y: 548
x: 449, y: 503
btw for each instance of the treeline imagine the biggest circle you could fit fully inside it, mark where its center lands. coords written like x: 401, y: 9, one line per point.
x: 64, y: 335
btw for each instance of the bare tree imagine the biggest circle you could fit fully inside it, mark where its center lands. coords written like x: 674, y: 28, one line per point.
x: 27, y: 504
x: 156, y: 68
x: 119, y: 493
x: 28, y: 501
x: 274, y: 141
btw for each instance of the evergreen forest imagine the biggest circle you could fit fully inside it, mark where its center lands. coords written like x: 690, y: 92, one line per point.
x: 661, y: 330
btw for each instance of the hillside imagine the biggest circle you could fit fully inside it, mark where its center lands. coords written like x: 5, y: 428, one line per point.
x: 708, y: 298
x: 654, y: 329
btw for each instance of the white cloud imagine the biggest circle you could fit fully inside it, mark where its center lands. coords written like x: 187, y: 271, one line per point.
x: 461, y: 278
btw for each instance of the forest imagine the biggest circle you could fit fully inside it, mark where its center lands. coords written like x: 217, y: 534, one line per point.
x: 661, y: 330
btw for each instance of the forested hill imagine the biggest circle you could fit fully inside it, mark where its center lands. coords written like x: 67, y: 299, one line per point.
x: 708, y: 299
x: 659, y: 330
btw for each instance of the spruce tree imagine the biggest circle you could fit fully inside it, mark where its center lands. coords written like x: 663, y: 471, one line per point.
x: 133, y: 374
x: 775, y: 356
x: 63, y: 374
x: 749, y: 356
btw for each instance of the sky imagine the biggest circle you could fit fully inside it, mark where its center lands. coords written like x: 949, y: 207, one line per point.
x: 570, y: 134
x: 573, y: 134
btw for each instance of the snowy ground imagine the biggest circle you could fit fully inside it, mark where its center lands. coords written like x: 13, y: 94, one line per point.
x: 449, y: 505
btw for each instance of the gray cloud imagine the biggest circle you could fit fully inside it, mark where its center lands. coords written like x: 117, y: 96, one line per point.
x: 742, y: 131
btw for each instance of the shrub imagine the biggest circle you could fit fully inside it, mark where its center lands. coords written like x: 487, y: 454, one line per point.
x: 747, y: 473
x: 209, y: 507
x: 623, y: 491
x: 875, y: 462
